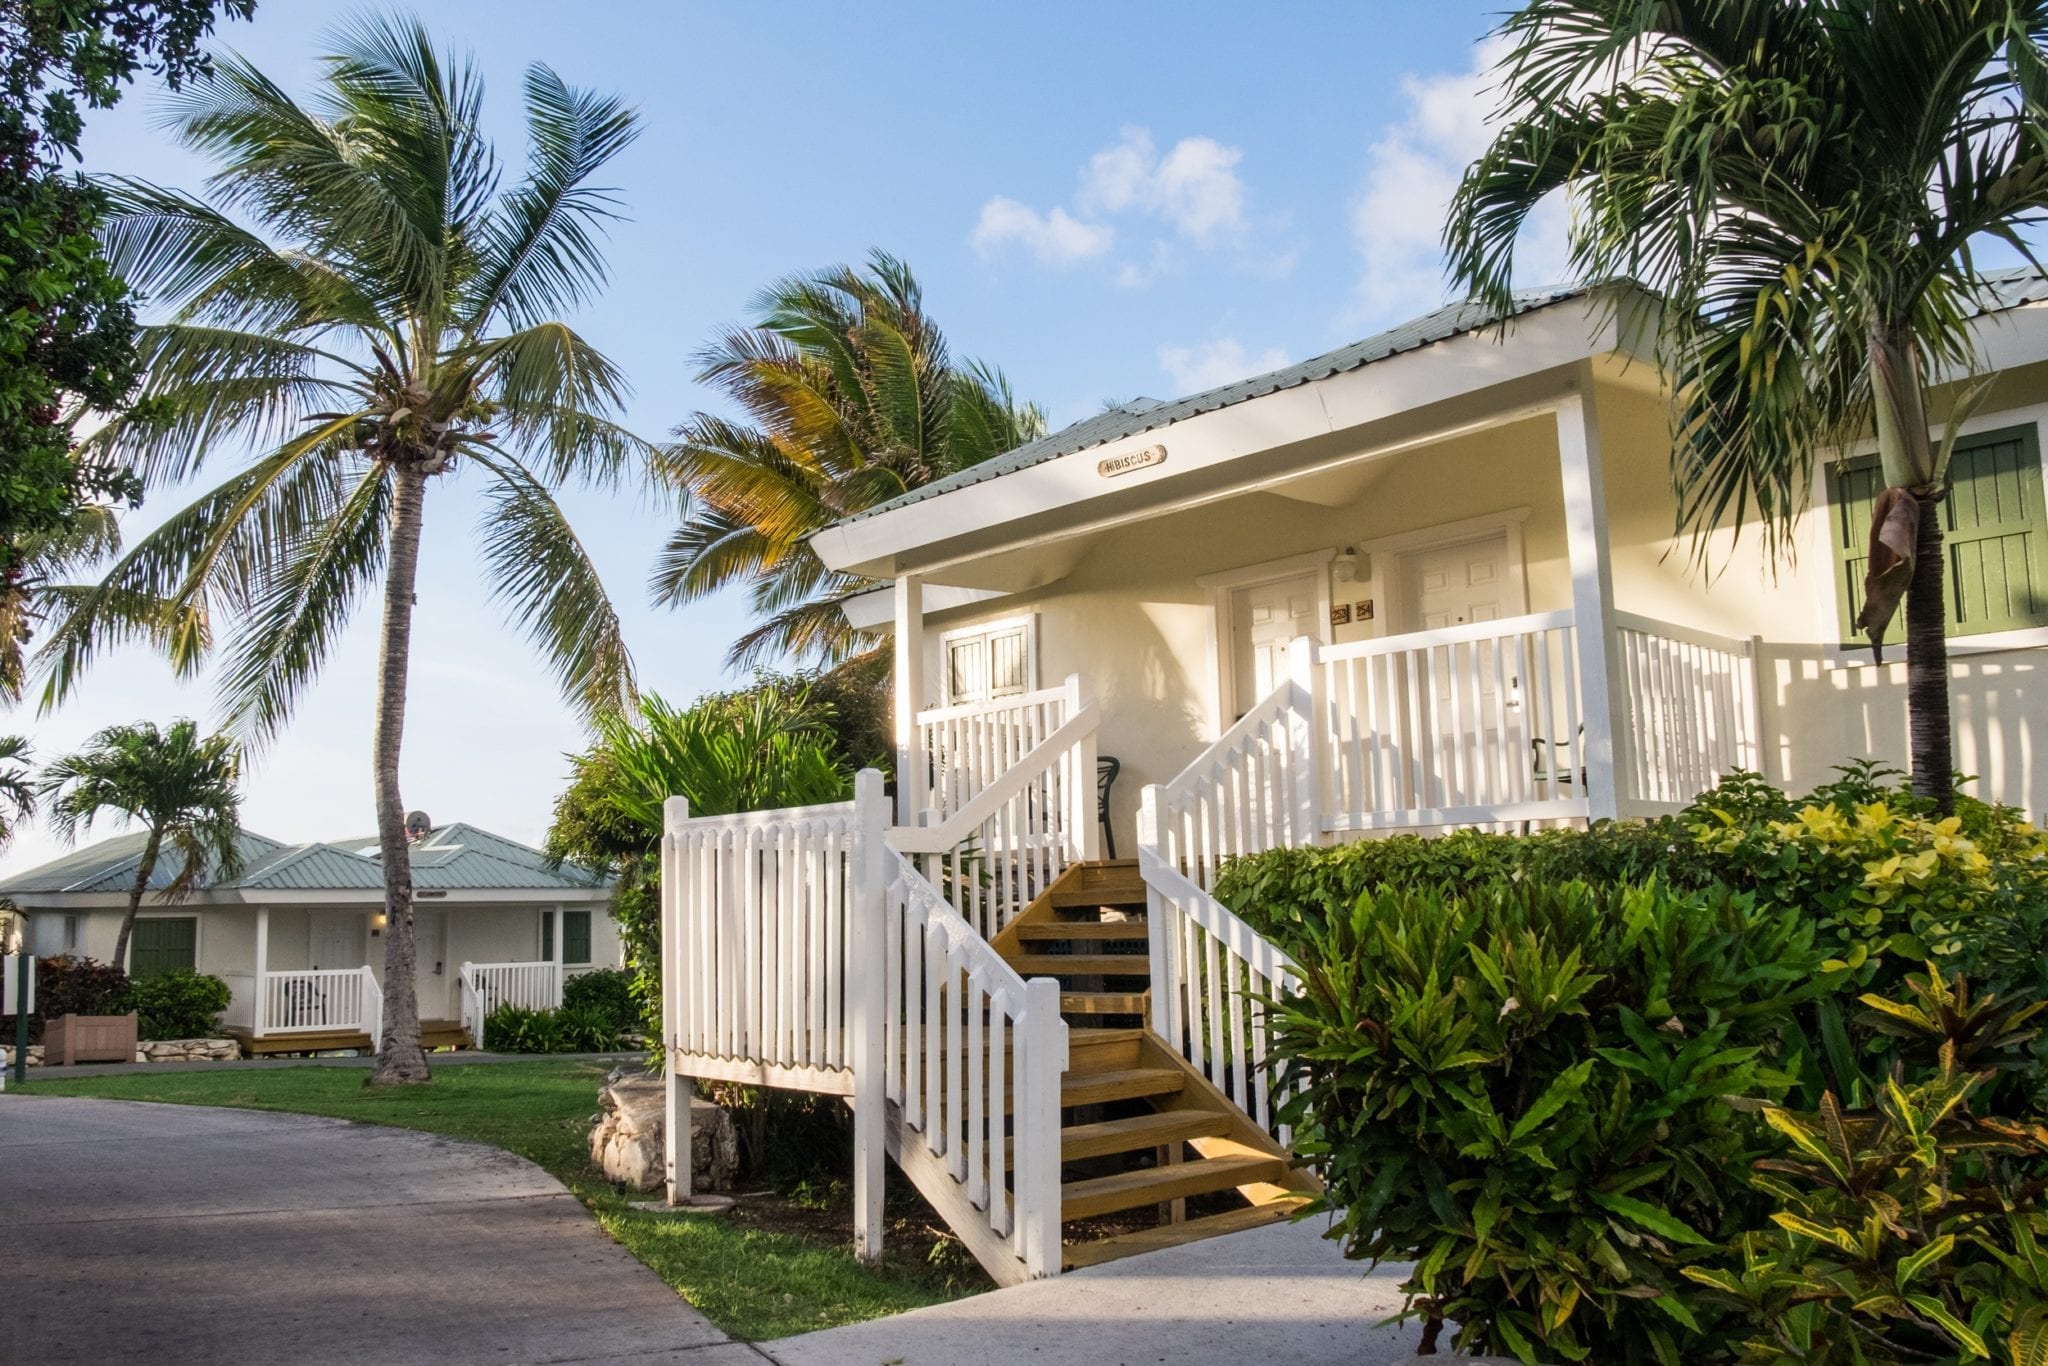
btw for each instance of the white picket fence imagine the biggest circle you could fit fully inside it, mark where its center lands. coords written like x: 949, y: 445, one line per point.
x: 1691, y: 704
x: 319, y: 1000
x: 486, y: 986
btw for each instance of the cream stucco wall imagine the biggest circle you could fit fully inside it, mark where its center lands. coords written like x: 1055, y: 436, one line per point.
x: 1132, y: 617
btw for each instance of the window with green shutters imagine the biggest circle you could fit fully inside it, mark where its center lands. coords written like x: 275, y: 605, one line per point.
x: 575, y: 936
x: 163, y: 944
x: 1995, y: 532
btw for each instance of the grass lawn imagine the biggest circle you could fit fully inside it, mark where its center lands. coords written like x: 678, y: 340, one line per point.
x: 752, y: 1282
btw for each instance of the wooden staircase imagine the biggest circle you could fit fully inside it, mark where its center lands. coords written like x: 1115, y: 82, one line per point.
x: 1153, y: 1155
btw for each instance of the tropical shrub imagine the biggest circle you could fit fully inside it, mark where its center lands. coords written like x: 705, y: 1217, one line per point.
x: 180, y: 1004
x: 1523, y: 1089
x: 571, y: 1029
x: 605, y: 992
x: 1912, y: 1231
x: 76, y: 986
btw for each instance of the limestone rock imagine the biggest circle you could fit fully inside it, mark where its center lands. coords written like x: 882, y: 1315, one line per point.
x: 188, y: 1050
x: 628, y: 1142
x: 35, y: 1055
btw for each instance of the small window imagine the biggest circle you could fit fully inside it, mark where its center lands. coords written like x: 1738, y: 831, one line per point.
x: 71, y: 934
x: 576, y: 937
x: 547, y: 937
x: 985, y: 662
x: 162, y: 944
x: 1994, y: 528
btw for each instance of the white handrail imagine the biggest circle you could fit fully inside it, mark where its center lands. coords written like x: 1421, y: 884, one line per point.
x: 473, y: 1011
x: 1251, y: 791
x: 967, y: 746
x: 373, y: 1011
x: 1689, y: 704
x: 1447, y: 635
x: 961, y: 825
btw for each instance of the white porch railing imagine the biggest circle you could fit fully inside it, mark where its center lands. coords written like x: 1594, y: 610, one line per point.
x: 1691, y: 707
x: 486, y: 986
x: 1025, y: 823
x: 1471, y: 724
x: 967, y: 747
x: 319, y: 1000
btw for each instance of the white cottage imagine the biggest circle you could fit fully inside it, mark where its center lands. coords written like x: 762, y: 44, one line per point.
x: 298, y: 934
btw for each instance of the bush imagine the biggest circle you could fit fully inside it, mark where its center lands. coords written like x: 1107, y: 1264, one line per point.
x: 606, y: 991
x: 76, y: 986
x: 572, y: 1029
x: 1522, y: 1089
x: 178, y: 1005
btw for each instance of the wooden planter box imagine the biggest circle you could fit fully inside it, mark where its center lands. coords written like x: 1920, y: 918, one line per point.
x: 89, y: 1038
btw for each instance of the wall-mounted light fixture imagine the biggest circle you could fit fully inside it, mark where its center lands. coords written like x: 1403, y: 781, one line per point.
x: 1344, y: 568
x: 377, y: 924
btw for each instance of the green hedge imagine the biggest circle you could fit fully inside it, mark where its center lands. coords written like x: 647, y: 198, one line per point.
x: 571, y: 1029
x: 180, y: 1004
x: 1554, y: 1071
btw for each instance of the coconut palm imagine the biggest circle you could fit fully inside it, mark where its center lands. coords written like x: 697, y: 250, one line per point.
x: 29, y: 589
x: 1805, y: 180
x: 17, y: 796
x: 388, y: 320
x: 852, y: 398
x: 179, y: 786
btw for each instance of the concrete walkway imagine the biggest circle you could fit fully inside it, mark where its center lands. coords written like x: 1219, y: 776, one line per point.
x: 1275, y: 1296
x: 172, y: 1234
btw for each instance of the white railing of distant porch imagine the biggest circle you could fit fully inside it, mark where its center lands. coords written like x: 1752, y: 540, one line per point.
x: 319, y: 1000
x: 486, y: 986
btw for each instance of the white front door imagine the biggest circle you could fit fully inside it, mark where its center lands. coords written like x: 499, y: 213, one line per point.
x: 1263, y: 619
x: 1449, y: 585
x: 430, y: 943
x: 337, y: 939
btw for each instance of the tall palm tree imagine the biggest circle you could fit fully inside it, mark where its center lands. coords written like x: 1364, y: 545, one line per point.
x: 1805, y: 180
x: 29, y: 589
x: 390, y: 320
x: 179, y: 786
x: 17, y: 794
x: 853, y: 398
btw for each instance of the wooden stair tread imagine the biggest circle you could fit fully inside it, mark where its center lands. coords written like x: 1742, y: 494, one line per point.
x: 1132, y: 930
x: 1120, y: 896
x: 1104, y: 1003
x: 1152, y: 1130
x: 1082, y: 964
x: 1123, y: 1083
x: 1077, y: 1255
x: 1174, y: 1181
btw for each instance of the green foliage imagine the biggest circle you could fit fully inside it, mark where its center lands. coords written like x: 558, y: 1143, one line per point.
x: 17, y: 794
x: 76, y: 986
x: 1523, y: 1089
x: 1910, y: 1232
x: 605, y: 994
x: 180, y: 1004
x: 854, y: 398
x: 571, y: 1029
x: 67, y: 329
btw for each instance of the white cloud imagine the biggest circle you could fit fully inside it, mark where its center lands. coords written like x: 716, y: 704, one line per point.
x: 1192, y: 193
x: 1056, y: 238
x: 1195, y: 368
x: 1397, y: 216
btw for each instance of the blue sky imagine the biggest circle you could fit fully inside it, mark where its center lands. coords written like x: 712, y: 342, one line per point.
x: 1105, y: 200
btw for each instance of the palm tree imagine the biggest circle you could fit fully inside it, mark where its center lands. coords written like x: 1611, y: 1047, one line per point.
x: 29, y: 588
x: 178, y: 785
x: 853, y: 398
x: 1805, y: 180
x: 17, y: 796
x: 389, y: 320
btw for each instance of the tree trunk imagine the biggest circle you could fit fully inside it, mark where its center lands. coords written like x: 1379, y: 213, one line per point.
x: 135, y: 891
x: 400, y: 1058
x: 1927, y: 662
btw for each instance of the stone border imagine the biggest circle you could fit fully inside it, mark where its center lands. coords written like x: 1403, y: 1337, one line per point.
x: 153, y: 1050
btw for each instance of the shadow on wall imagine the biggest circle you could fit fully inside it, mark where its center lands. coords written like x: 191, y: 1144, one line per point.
x: 1817, y: 714
x: 1153, y: 719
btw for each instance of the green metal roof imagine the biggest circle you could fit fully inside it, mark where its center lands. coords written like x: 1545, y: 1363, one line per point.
x: 454, y: 857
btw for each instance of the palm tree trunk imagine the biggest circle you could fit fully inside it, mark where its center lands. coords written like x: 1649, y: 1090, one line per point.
x: 1927, y: 717
x: 399, y: 1057
x: 143, y: 869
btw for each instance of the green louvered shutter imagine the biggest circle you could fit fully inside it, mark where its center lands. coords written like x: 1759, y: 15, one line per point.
x: 160, y: 944
x: 1995, y: 529
x: 575, y: 936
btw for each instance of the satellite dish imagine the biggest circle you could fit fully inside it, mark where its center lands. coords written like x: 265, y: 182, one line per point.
x: 418, y: 825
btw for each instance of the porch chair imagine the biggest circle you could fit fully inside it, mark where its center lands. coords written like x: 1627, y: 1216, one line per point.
x: 1106, y: 769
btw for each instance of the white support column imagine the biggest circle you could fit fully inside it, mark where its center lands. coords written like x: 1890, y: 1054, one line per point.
x: 1305, y: 737
x: 1084, y: 806
x: 676, y: 1149
x: 1585, y: 516
x: 262, y: 967
x: 1159, y: 920
x: 866, y: 986
x: 561, y: 934
x: 1041, y: 1062
x: 911, y: 778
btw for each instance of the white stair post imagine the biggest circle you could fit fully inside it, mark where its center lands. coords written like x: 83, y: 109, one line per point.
x: 866, y: 984
x: 1585, y: 515
x: 1304, y: 737
x: 1085, y: 839
x: 1041, y: 1062
x: 677, y: 1090
x: 258, y: 1018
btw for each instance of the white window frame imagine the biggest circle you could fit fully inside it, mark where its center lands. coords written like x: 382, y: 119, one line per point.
x: 1222, y: 626
x: 190, y: 913
x: 1027, y: 624
x: 1821, y: 541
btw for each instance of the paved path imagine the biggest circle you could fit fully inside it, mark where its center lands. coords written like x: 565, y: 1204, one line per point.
x: 1276, y: 1296
x: 173, y: 1234
x: 464, y: 1058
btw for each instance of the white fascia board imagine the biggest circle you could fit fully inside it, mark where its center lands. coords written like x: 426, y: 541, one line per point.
x: 876, y: 611
x: 2006, y: 341
x: 428, y: 896
x: 1539, y: 341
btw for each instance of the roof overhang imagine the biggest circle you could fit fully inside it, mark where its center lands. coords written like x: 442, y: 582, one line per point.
x: 875, y: 610
x: 1246, y: 442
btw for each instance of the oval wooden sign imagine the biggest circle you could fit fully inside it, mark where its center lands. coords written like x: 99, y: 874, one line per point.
x: 1136, y: 460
